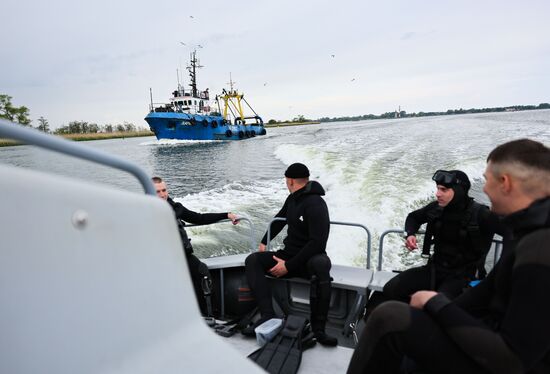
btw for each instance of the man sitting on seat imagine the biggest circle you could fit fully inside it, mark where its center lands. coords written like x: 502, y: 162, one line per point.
x: 459, y: 230
x: 198, y: 269
x: 304, y: 253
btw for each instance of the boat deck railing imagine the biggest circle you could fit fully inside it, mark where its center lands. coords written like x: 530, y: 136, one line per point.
x: 497, y: 242
x: 381, y: 244
x: 341, y: 223
x: 251, y: 237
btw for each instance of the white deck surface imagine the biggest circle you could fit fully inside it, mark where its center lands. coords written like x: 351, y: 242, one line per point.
x: 318, y: 360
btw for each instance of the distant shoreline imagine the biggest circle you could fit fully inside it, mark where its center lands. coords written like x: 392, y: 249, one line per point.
x: 87, y: 137
x: 286, y: 124
x: 142, y: 133
x: 403, y: 114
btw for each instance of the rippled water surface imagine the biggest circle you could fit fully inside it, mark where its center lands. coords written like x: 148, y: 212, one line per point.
x: 374, y: 172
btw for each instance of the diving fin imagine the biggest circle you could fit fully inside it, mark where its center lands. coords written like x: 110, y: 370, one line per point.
x: 308, y: 341
x: 283, y: 354
x: 229, y: 328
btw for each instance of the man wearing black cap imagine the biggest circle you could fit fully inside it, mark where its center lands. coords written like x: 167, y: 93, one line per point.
x: 304, y: 252
x: 459, y: 230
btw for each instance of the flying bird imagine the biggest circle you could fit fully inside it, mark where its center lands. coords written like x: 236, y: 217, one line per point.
x: 191, y: 17
x: 353, y: 80
x: 265, y: 84
x: 332, y: 56
x: 182, y: 43
x: 200, y: 46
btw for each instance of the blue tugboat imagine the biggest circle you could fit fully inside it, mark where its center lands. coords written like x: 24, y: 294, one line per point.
x: 189, y: 115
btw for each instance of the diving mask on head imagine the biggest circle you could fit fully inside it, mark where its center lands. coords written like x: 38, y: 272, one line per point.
x: 445, y: 178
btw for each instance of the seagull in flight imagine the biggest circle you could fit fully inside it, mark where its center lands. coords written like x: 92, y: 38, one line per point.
x: 191, y: 17
x: 353, y: 80
x: 182, y: 43
x: 265, y: 84
x: 200, y: 46
x: 332, y: 56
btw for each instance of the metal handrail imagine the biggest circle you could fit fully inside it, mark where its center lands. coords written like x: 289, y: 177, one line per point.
x: 34, y: 137
x: 251, y: 241
x: 497, y: 242
x: 381, y: 244
x: 332, y: 223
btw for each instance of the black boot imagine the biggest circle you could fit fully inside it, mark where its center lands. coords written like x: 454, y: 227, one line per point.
x: 319, y: 301
x: 324, y: 339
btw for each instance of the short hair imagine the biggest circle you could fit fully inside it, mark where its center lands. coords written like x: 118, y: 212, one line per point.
x: 156, y: 179
x: 301, y: 180
x: 528, y: 161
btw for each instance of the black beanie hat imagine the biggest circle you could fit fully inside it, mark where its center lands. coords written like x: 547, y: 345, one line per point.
x: 297, y: 170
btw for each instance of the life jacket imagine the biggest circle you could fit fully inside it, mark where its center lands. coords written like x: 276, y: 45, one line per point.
x: 472, y: 258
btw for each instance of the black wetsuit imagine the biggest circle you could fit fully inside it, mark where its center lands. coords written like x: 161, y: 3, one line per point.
x: 460, y: 247
x: 304, y: 252
x: 197, y: 268
x: 500, y: 326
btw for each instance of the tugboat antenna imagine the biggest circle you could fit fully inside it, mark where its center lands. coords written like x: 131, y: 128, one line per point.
x: 195, y: 64
x: 231, y: 83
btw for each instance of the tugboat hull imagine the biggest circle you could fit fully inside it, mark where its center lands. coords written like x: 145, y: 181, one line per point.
x: 184, y: 126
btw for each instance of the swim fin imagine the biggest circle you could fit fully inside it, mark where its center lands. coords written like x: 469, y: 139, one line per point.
x: 283, y: 354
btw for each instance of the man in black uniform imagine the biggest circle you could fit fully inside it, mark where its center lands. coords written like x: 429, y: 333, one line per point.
x: 502, y: 324
x: 304, y: 253
x: 459, y: 230
x: 198, y: 269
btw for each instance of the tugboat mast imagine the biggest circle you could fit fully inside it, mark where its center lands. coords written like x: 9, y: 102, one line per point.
x: 195, y: 64
x: 231, y: 83
x: 232, y: 100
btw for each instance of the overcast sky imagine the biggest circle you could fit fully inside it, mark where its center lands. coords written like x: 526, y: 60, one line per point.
x: 96, y: 60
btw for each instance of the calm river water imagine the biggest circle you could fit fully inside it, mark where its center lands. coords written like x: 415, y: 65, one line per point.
x: 374, y: 172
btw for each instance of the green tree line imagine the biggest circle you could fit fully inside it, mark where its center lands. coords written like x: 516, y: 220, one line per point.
x: 82, y: 127
x: 21, y: 115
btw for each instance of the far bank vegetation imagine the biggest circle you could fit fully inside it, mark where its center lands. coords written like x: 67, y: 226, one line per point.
x: 74, y: 130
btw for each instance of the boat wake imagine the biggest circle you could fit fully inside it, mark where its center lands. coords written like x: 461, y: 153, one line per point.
x: 177, y: 142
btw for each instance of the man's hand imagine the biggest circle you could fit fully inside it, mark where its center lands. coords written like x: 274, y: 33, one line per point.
x: 278, y: 270
x: 233, y: 217
x: 420, y: 298
x: 410, y: 243
x: 261, y: 247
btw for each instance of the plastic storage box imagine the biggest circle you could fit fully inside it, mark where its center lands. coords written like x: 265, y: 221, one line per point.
x: 267, y: 330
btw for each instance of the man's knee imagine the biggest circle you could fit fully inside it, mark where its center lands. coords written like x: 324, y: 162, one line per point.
x: 391, y: 316
x: 391, y: 288
x: 251, y: 259
x: 319, y: 265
